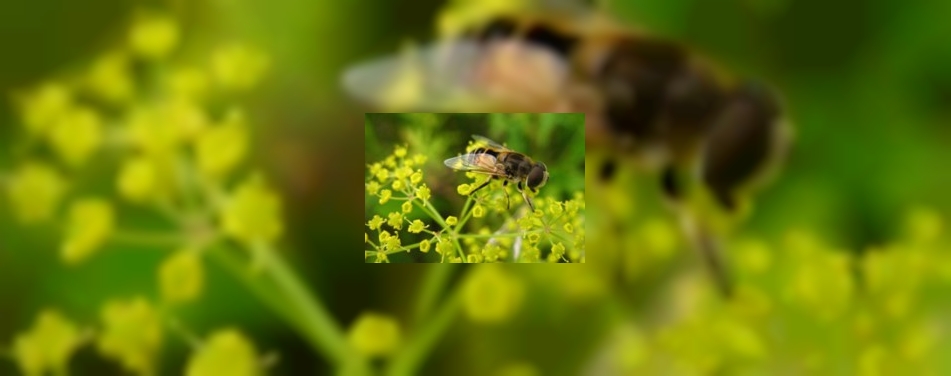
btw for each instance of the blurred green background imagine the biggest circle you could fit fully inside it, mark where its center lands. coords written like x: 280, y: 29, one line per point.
x: 867, y: 86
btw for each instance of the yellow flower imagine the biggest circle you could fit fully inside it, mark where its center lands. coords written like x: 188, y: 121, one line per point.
x: 558, y: 249
x: 238, y: 67
x: 384, y: 236
x: 534, y: 238
x: 400, y: 151
x: 44, y: 105
x: 491, y: 295
x: 375, y: 222
x: 423, y: 193
x: 138, y: 179
x: 253, y: 213
x: 225, y: 352
x: 463, y: 189
x: 444, y: 247
x: 569, y: 228
x: 393, y: 243
x: 407, y: 206
x: 424, y: 246
x: 395, y: 220
x: 189, y: 119
x: 374, y: 334
x: 131, y: 334
x: 150, y: 131
x: 47, y: 347
x: 154, y: 37
x: 110, y: 79
x: 416, y: 227
x: 403, y: 172
x: 373, y: 188
x: 416, y: 177
x: 90, y: 222
x: 659, y: 237
x: 35, y: 191
x: 452, y: 220
x: 76, y: 135
x: 555, y: 208
x: 385, y: 196
x: 382, y: 174
x: 398, y: 184
x: 478, y: 211
x: 181, y: 277
x: 220, y: 149
x: 189, y: 83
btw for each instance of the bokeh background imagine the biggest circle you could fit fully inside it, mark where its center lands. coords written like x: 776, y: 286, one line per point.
x: 868, y: 89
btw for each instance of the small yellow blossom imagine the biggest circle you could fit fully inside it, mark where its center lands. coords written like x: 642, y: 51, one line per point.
x: 189, y: 83
x: 47, y: 346
x: 253, y: 213
x: 181, y: 277
x: 238, y: 67
x: 373, y: 188
x: 463, y: 189
x: 154, y: 37
x: 375, y: 222
x: 407, y: 206
x: 403, y: 172
x: 35, y: 191
x: 149, y: 131
x: 90, y: 222
x: 138, y: 179
x: 395, y: 220
x: 382, y: 174
x: 400, y: 151
x: 452, y: 220
x: 385, y: 196
x: 76, y: 135
x: 569, y: 228
x: 110, y: 78
x: 221, y: 148
x: 558, y: 249
x: 534, y: 238
x: 393, y: 243
x: 478, y: 211
x: 384, y: 236
x: 555, y: 208
x: 131, y: 334
x: 225, y: 352
x: 491, y: 295
x: 416, y: 177
x: 424, y: 246
x: 444, y: 247
x: 44, y: 105
x: 398, y: 185
x: 374, y: 334
x: 416, y: 227
x: 423, y: 193
x: 189, y: 119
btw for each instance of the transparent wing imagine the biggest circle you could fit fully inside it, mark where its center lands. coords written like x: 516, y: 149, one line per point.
x: 476, y: 162
x: 487, y: 141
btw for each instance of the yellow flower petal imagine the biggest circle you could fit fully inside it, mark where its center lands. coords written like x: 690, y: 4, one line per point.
x: 225, y: 352
x: 181, y: 277
x: 375, y: 334
x: 35, y: 191
x: 253, y: 213
x: 89, y: 223
x: 154, y: 37
x: 131, y: 334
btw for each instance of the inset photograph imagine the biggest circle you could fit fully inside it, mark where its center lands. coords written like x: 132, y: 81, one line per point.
x: 474, y: 188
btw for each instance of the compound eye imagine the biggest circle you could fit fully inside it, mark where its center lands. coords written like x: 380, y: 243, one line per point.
x: 537, y: 177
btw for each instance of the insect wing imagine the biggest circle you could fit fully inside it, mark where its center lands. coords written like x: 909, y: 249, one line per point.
x: 476, y: 162
x: 490, y: 143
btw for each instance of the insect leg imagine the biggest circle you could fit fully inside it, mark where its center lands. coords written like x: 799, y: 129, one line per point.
x: 525, y: 197
x: 481, y: 186
x: 508, y: 203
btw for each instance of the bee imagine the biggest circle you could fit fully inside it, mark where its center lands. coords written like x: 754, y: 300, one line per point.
x: 500, y: 162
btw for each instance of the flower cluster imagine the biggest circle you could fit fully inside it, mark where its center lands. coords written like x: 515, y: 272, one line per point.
x: 497, y: 231
x: 180, y: 157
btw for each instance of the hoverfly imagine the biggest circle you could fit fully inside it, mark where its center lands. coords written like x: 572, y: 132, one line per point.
x: 649, y: 103
x: 500, y: 162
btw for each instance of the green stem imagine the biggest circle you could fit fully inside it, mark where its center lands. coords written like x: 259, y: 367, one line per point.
x: 437, y: 276
x: 319, y: 326
x: 408, y: 361
x: 503, y: 235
